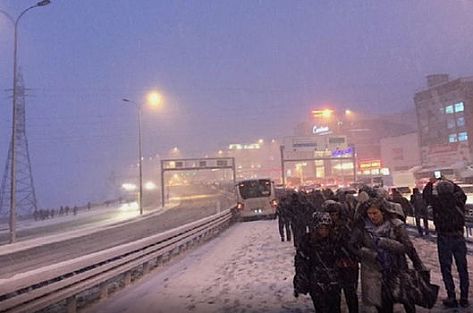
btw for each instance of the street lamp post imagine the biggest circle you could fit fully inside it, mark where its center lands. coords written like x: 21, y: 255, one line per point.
x: 154, y: 99
x: 140, y: 156
x: 15, y: 23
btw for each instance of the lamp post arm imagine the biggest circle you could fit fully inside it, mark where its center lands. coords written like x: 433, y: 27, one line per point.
x: 23, y: 13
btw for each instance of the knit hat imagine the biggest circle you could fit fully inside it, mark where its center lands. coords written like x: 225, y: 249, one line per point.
x: 321, y: 218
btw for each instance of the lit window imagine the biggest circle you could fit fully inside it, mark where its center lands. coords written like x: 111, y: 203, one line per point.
x: 451, y: 123
x: 452, y: 138
x: 384, y: 171
x: 463, y: 136
x: 449, y: 109
x: 460, y: 121
x: 459, y: 107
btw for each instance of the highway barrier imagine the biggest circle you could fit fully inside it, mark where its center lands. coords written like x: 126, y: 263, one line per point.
x: 63, y: 282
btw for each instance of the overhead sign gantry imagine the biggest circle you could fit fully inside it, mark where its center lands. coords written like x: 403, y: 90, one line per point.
x: 191, y: 164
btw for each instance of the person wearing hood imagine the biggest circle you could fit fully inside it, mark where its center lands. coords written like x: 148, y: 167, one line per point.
x: 315, y: 265
x: 381, y: 242
x: 347, y: 264
x: 448, y: 205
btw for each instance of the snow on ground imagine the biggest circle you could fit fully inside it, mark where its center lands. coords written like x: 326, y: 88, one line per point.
x: 247, y: 269
x: 119, y: 214
x: 57, y: 219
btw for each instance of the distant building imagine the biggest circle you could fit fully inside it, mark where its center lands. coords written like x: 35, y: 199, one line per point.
x: 364, y: 132
x: 400, y: 153
x: 259, y: 159
x: 445, y: 121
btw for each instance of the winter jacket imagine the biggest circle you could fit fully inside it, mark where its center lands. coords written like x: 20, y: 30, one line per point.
x: 297, y: 213
x: 382, y: 251
x: 448, y: 209
x: 418, y: 202
x: 406, y: 206
x: 342, y: 230
x: 282, y: 210
x: 314, y: 262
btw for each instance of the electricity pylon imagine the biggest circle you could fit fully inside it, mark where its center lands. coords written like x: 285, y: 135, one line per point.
x: 25, y: 194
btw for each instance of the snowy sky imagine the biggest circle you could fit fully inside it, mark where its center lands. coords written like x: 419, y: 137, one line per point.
x: 230, y: 71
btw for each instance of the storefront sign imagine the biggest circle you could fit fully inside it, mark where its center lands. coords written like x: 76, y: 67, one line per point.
x: 319, y: 130
x: 342, y: 152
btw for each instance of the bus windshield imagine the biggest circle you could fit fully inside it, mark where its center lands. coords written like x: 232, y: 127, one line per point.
x: 255, y: 188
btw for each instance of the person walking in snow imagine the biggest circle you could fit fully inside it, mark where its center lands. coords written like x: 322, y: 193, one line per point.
x: 298, y: 218
x: 381, y: 243
x: 315, y: 265
x: 448, y: 204
x: 284, y: 223
x: 346, y: 263
x: 420, y: 212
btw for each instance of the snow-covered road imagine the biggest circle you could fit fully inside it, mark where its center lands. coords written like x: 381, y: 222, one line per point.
x: 246, y: 269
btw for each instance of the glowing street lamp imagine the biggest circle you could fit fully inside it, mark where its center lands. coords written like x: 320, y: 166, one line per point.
x: 326, y: 113
x: 154, y: 99
x: 129, y: 187
x: 150, y: 185
x: 14, y: 126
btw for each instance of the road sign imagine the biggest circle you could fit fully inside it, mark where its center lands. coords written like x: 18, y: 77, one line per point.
x: 315, y: 143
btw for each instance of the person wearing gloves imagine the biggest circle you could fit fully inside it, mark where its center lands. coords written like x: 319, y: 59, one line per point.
x: 315, y: 265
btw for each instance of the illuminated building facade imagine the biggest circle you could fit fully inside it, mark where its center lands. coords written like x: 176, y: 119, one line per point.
x: 364, y: 132
x: 259, y: 159
x: 445, y: 114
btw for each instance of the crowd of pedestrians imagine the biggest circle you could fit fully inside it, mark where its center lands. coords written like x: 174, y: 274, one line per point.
x: 340, y: 238
x: 44, y: 214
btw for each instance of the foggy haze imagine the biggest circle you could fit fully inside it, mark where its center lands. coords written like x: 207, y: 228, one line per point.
x: 229, y: 71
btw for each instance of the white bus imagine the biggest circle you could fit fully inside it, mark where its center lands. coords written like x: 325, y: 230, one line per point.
x: 256, y: 198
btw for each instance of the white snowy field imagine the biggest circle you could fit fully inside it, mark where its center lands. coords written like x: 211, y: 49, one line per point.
x: 246, y: 269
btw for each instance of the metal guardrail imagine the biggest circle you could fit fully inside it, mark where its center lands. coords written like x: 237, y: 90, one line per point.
x: 38, y: 289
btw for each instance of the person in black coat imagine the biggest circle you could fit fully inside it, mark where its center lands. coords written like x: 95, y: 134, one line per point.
x: 283, y: 214
x: 420, y: 211
x: 347, y: 263
x: 298, y: 218
x: 315, y: 264
x: 448, y: 205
